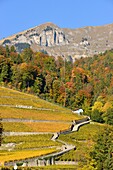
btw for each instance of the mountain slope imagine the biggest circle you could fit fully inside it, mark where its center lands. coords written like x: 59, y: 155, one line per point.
x: 57, y: 41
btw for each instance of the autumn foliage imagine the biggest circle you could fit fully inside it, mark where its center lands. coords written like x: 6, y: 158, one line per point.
x: 75, y: 85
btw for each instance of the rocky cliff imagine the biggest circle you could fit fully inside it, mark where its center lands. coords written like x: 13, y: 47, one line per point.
x: 57, y: 41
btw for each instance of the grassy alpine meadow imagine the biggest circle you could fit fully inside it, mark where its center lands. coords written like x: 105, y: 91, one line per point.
x: 34, y: 127
x: 7, y: 156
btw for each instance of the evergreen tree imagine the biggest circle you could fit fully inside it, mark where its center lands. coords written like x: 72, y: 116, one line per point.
x: 12, y: 49
x: 7, y: 51
x: 96, y: 116
x: 27, y: 55
x: 108, y: 116
x: 103, y: 150
x: 4, y: 73
x: 38, y: 85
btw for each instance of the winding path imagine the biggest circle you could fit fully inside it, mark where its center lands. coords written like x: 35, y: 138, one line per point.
x: 65, y: 147
x: 50, y: 158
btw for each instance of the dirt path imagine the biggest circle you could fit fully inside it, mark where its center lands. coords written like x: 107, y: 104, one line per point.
x: 50, y: 157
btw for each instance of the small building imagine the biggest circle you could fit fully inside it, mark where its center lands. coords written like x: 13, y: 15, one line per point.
x: 78, y: 111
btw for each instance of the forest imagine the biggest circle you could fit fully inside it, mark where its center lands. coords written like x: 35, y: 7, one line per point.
x: 87, y: 83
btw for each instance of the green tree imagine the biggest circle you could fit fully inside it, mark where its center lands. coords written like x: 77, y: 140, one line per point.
x: 4, y: 72
x: 7, y: 51
x: 108, y: 164
x: 56, y: 88
x: 12, y: 49
x: 103, y: 150
x: 38, y: 85
x: 96, y: 116
x: 108, y: 116
x: 27, y: 55
x: 16, y: 76
x: 49, y: 64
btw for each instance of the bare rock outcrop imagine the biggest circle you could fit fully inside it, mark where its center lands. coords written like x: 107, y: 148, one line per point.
x: 80, y: 42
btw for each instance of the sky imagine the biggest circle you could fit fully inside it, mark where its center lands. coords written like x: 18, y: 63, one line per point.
x: 19, y: 15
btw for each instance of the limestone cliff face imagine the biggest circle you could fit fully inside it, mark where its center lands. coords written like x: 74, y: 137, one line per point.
x: 46, y: 36
x: 50, y: 37
x: 81, y: 42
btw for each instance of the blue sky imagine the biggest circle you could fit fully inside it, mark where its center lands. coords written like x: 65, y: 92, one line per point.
x: 19, y: 15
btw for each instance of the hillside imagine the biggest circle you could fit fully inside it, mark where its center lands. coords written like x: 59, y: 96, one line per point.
x: 24, y: 114
x: 77, y: 43
x: 31, y: 113
x: 29, y: 123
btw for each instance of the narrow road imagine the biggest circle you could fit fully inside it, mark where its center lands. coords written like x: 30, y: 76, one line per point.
x: 31, y: 120
x: 65, y: 147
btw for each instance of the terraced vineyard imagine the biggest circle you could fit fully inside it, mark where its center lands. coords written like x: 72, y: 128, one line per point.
x: 23, y: 113
x: 15, y: 104
x: 31, y: 141
x: 19, y: 105
x: 34, y: 127
x: 84, y: 140
x: 19, y: 155
x: 9, y: 112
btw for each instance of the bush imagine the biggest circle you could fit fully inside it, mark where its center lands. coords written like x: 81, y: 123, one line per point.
x: 96, y: 116
x: 108, y: 116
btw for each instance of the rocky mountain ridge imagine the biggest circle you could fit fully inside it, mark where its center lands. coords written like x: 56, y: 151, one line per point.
x: 80, y: 42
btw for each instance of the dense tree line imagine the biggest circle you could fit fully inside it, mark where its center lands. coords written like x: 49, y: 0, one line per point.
x: 87, y: 83
x: 103, y: 150
x: 101, y: 156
